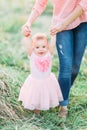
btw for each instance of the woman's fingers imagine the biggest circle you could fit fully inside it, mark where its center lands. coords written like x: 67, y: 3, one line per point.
x: 53, y: 31
x: 26, y: 31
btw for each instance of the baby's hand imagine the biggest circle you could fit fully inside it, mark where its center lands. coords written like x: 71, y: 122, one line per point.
x: 26, y: 31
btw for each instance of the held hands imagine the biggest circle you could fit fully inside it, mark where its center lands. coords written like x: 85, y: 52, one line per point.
x: 26, y: 31
x: 57, y: 28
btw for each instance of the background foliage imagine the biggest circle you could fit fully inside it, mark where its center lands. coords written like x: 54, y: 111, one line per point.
x: 14, y: 68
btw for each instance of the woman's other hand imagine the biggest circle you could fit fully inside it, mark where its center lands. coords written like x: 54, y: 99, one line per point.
x: 57, y: 28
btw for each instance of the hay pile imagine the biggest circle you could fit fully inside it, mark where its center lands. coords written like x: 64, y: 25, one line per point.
x: 10, y: 108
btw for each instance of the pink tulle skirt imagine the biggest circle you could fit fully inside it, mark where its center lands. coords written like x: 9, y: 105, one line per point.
x: 40, y: 94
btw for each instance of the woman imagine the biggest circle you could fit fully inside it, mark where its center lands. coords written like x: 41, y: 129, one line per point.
x: 69, y: 24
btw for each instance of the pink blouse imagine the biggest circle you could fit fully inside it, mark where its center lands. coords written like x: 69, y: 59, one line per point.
x: 61, y: 9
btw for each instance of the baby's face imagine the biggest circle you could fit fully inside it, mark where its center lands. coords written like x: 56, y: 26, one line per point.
x: 41, y: 47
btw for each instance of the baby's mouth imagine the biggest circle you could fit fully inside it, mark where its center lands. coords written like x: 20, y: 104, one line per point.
x: 41, y: 53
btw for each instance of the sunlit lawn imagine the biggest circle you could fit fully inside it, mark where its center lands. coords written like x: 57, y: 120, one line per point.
x: 14, y: 68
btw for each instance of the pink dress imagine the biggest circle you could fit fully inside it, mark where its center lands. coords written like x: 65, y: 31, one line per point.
x: 41, y: 89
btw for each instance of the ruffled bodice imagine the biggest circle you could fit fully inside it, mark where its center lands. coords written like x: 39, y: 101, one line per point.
x: 40, y: 67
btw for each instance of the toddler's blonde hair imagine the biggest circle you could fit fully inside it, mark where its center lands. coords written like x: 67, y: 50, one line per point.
x: 39, y: 36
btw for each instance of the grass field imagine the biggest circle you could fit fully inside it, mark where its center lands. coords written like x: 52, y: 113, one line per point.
x: 14, y: 68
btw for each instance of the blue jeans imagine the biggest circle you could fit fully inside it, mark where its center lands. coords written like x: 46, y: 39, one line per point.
x: 71, y: 45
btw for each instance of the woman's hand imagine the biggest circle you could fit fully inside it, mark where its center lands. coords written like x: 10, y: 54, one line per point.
x: 26, y: 31
x: 72, y: 17
x: 57, y: 28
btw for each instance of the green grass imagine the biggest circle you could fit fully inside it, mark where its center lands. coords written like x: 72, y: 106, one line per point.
x: 14, y: 68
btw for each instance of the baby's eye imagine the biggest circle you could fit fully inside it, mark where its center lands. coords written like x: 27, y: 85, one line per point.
x: 37, y: 47
x: 43, y: 46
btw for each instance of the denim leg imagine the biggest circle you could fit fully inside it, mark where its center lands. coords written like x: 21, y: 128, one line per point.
x: 64, y: 44
x: 80, y: 43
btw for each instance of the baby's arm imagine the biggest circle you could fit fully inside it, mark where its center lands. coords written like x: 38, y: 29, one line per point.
x: 52, y: 44
x: 27, y: 43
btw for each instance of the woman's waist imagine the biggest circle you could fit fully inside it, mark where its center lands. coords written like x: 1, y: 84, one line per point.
x: 56, y: 20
